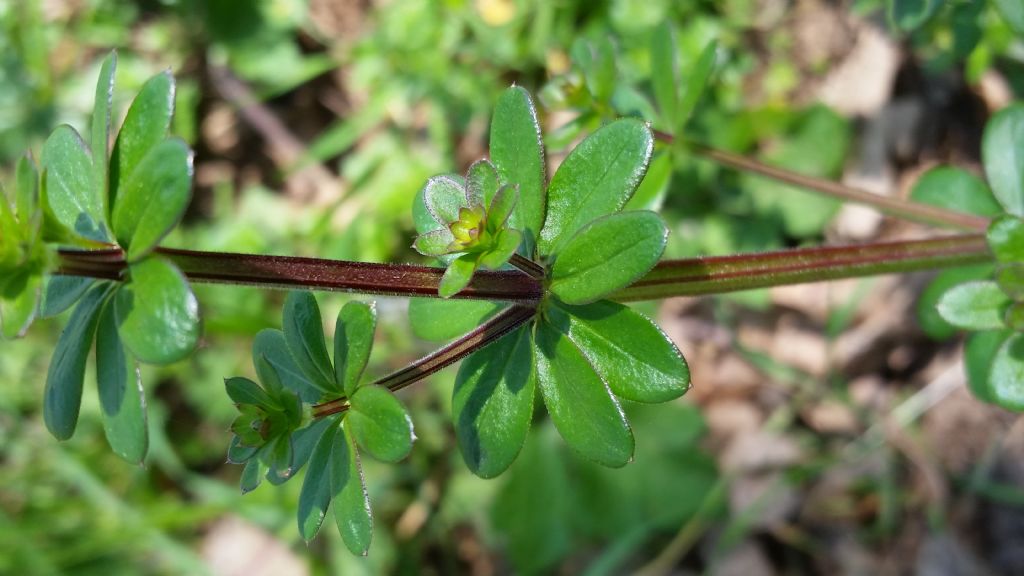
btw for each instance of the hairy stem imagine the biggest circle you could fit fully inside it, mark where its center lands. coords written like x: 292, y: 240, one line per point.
x: 484, y: 334
x: 897, y: 207
x: 720, y: 274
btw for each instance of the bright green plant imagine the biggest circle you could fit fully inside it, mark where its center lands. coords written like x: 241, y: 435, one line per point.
x: 537, y: 273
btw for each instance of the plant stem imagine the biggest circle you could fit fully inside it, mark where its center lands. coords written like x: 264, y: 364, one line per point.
x: 536, y: 271
x: 484, y: 334
x: 916, y: 211
x: 290, y: 272
x: 720, y: 274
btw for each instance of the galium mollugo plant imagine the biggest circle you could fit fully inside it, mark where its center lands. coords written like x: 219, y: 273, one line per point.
x: 532, y: 290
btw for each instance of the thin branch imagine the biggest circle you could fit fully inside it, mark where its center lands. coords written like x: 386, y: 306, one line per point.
x: 484, y: 334
x: 536, y: 271
x: 893, y: 206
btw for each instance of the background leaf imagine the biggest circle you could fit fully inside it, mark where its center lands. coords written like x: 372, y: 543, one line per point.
x: 607, y: 255
x: 581, y: 406
x: 956, y: 189
x: 1006, y: 378
x: 517, y: 151
x: 909, y: 15
x: 157, y: 313
x: 665, y: 73
x: 63, y: 394
x: 380, y: 424
x: 1003, y: 156
x: 628, y: 351
x: 597, y: 178
x: 696, y: 83
x: 18, y: 313
x: 122, y: 401
x: 70, y: 189
x: 492, y: 404
x: 979, y: 353
x: 1013, y: 12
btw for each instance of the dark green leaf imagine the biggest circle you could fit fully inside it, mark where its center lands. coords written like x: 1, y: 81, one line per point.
x: 18, y: 313
x: 518, y: 153
x: 306, y: 439
x: 492, y: 404
x: 581, y: 406
x: 696, y: 83
x: 630, y: 353
x: 1006, y: 378
x: 153, y: 199
x: 271, y: 344
x: 440, y: 320
x: 241, y: 390
x: 122, y: 400
x: 380, y: 424
x: 70, y: 190
x: 157, y: 313
x: 608, y: 254
x: 457, y: 276
x: 1003, y: 153
x: 351, y: 501
x: 304, y: 332
x: 63, y: 394
x: 353, y: 340
x: 927, y: 305
x: 251, y: 475
x: 101, y: 114
x: 955, y: 189
x: 974, y: 306
x: 279, y: 457
x: 505, y: 246
x: 979, y: 352
x: 239, y: 454
x: 316, y: 494
x: 597, y: 178
x: 60, y: 292
x: 146, y: 125
x: 1006, y: 239
x: 664, y: 73
x: 1011, y: 280
x: 909, y: 15
x: 1013, y: 12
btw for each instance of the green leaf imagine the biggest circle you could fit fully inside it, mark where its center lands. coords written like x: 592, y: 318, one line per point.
x: 242, y: 391
x: 239, y: 454
x: 481, y: 182
x: 505, y: 246
x: 70, y: 191
x: 434, y: 243
x: 304, y: 332
x: 502, y: 205
x: 628, y: 351
x: 1002, y: 149
x: 122, y: 401
x: 979, y: 352
x: 157, y: 313
x: 1013, y: 12
x: 581, y: 406
x: 146, y: 125
x: 1006, y: 379
x: 279, y: 456
x: 650, y: 195
x: 380, y: 424
x: 444, y: 196
x: 927, y: 304
x: 351, y: 501
x: 271, y: 344
x: 974, y: 306
x: 440, y: 320
x: 665, y: 73
x: 597, y: 178
x: 1011, y: 280
x: 608, y: 254
x: 305, y: 440
x: 101, y: 114
x: 955, y: 189
x: 457, y: 276
x: 909, y: 15
x: 60, y: 292
x: 1006, y: 239
x: 353, y: 340
x: 492, y: 405
x: 17, y: 314
x: 517, y: 151
x: 251, y: 475
x: 696, y: 83
x: 153, y: 199
x: 600, y: 72
x: 63, y: 394
x: 316, y: 494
